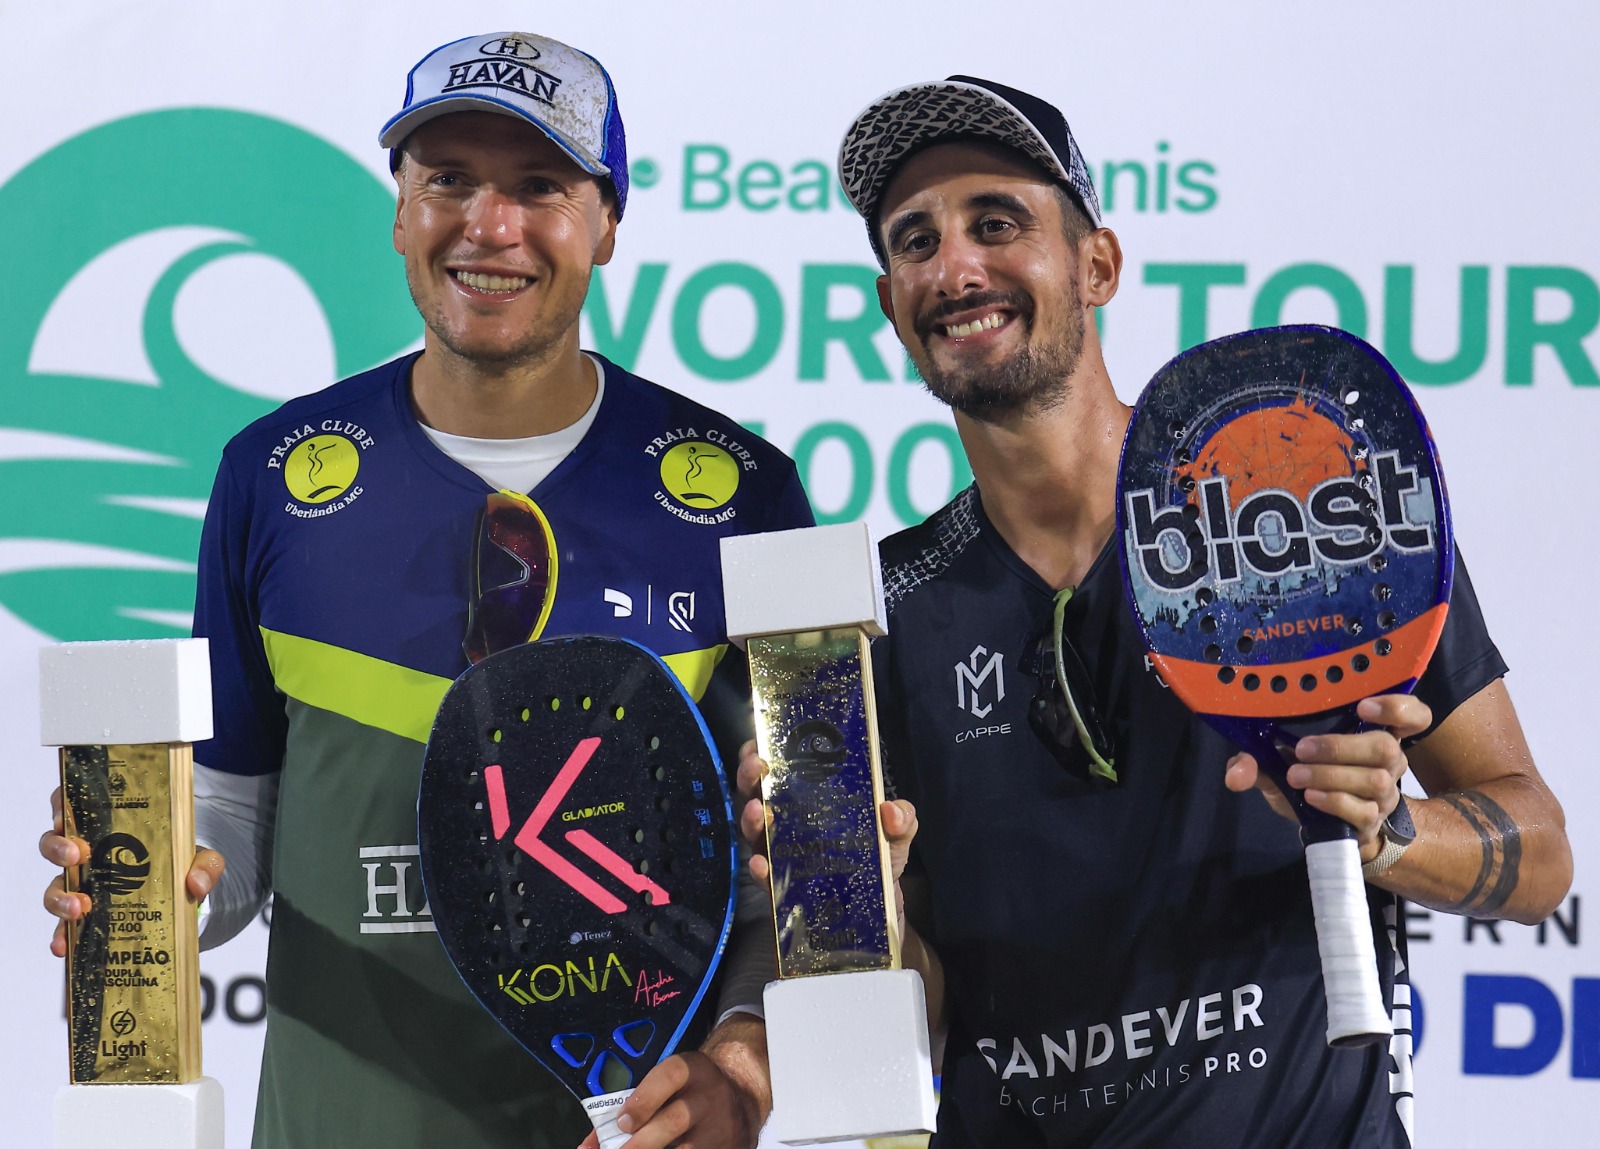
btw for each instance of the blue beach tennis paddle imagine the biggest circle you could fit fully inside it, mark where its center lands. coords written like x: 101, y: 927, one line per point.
x: 1286, y: 549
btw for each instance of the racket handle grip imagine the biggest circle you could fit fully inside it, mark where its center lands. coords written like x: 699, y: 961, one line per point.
x: 603, y: 1111
x: 1356, y: 1015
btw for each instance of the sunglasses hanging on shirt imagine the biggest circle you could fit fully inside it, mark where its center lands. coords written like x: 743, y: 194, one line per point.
x: 513, y: 575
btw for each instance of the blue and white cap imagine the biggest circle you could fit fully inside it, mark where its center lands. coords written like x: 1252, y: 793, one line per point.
x: 563, y: 92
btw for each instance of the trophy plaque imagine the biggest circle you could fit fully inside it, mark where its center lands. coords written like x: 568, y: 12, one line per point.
x: 804, y: 604
x: 124, y: 715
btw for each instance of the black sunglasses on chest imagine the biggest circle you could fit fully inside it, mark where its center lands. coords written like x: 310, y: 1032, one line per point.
x: 1062, y: 714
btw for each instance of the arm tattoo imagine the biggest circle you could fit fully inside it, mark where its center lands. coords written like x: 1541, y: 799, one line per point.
x: 1502, y: 853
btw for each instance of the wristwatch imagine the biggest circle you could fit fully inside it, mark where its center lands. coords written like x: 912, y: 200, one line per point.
x: 1397, y: 832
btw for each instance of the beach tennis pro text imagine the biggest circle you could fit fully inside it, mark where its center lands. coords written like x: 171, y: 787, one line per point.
x: 1272, y: 532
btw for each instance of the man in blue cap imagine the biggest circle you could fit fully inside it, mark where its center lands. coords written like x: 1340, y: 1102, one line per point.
x: 334, y: 589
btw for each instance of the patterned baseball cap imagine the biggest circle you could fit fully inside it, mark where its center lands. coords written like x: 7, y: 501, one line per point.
x: 563, y: 92
x: 908, y: 119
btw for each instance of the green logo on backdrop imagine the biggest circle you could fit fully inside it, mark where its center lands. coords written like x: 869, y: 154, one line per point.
x: 106, y: 478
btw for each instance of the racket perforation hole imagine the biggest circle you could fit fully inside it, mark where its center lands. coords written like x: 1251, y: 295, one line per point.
x: 486, y: 865
x: 651, y: 928
x: 1334, y: 673
x: 525, y: 921
x: 1175, y: 429
x: 1382, y: 592
x: 1225, y: 675
x: 511, y: 857
x: 472, y: 775
x: 1191, y: 511
x: 1184, y: 457
x: 663, y: 803
x: 644, y: 865
x: 483, y: 835
x: 1186, y: 485
x: 1213, y: 652
x: 638, y: 835
x: 1308, y: 682
x: 1204, y: 596
x: 521, y: 889
x: 1354, y: 626
x: 526, y: 714
x: 477, y: 807
x: 1208, y: 624
x: 1244, y: 643
x: 490, y: 897
x: 1386, y: 619
x: 1360, y: 663
x: 1358, y: 424
x: 553, y: 702
x: 1351, y: 397
x: 617, y: 713
x: 659, y: 773
x: 1379, y: 562
x: 1252, y: 682
x: 1383, y: 646
x: 586, y: 702
x: 1360, y: 452
x: 1279, y: 684
x: 655, y: 742
x: 495, y: 735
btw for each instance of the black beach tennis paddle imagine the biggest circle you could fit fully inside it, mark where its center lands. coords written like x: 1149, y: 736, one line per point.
x: 1287, y: 552
x: 576, y: 847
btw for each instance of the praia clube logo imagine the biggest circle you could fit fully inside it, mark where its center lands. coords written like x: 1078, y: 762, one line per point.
x: 114, y: 425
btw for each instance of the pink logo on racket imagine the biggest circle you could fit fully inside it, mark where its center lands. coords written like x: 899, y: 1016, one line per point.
x: 530, y: 842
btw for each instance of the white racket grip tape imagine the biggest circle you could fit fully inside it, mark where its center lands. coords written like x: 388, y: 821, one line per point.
x: 603, y: 1111
x: 1356, y: 1015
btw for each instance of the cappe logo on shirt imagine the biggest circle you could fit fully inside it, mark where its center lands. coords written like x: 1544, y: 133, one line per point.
x: 970, y: 681
x: 396, y: 902
x: 505, y: 62
x: 165, y: 287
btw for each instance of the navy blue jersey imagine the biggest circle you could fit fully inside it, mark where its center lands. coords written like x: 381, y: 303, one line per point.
x: 1131, y: 964
x: 334, y: 576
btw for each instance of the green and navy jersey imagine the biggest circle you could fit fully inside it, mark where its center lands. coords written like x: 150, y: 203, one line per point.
x: 333, y: 587
x: 1127, y: 965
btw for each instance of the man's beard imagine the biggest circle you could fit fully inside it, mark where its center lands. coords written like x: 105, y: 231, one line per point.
x: 1032, y: 380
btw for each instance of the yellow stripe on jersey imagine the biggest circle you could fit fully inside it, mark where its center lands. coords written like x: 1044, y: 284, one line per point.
x: 694, y: 667
x: 358, y: 687
x: 396, y: 698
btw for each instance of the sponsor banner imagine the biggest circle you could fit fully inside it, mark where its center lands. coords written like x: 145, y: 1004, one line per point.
x: 195, y: 218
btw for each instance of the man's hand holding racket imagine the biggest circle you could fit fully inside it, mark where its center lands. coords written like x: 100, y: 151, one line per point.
x: 1354, y: 777
x: 715, y: 1098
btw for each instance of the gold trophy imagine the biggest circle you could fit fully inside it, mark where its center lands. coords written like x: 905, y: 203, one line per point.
x: 847, y: 1030
x: 125, y: 715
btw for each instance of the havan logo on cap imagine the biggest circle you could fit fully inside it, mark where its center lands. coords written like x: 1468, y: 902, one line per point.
x: 505, y: 62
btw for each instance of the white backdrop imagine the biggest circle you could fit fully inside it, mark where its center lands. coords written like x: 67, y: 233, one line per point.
x: 1423, y: 173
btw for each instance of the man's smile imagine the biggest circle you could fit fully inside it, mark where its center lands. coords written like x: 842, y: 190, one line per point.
x: 480, y: 283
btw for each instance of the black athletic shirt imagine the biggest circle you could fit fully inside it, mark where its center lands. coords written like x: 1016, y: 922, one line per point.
x: 1129, y: 965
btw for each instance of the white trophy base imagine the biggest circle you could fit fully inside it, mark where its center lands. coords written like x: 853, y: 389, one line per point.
x: 849, y: 1055
x: 140, y: 1116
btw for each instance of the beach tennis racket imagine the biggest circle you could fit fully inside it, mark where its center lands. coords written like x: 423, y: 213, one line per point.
x: 1286, y: 550
x: 576, y: 848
